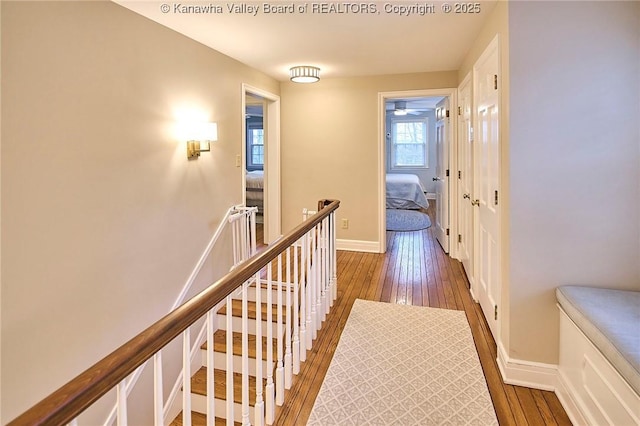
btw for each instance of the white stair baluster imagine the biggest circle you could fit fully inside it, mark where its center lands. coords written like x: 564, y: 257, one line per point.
x: 245, y: 353
x: 279, y: 344
x: 318, y: 251
x: 229, y: 363
x: 211, y: 394
x: 269, y: 388
x: 296, y: 312
x: 327, y: 294
x: 288, y: 374
x: 323, y: 272
x: 122, y: 403
x: 158, y: 398
x: 334, y: 254
x: 259, y: 407
x: 303, y: 300
x: 186, y: 377
x: 309, y: 291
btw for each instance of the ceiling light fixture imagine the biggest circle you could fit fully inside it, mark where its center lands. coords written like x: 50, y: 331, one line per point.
x: 304, y: 74
x: 400, y: 108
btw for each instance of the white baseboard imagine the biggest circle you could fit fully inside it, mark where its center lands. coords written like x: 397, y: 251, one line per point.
x: 356, y: 245
x: 430, y: 195
x: 530, y: 374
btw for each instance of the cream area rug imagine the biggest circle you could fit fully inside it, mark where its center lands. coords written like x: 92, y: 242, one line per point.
x: 404, y: 365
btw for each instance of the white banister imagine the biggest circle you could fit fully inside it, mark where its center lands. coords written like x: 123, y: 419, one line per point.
x: 245, y: 356
x: 303, y: 298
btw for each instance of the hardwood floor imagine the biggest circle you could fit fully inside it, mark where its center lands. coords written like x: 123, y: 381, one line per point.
x: 414, y: 271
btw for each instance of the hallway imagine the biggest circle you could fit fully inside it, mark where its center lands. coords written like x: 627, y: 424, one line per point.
x: 414, y: 271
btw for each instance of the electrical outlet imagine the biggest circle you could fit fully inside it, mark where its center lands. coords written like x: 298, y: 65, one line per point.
x: 345, y: 223
x: 238, y: 160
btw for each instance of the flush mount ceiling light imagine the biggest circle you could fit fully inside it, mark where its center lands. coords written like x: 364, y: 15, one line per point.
x: 304, y: 74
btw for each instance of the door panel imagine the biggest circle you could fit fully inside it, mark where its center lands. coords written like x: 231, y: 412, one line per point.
x: 465, y: 182
x: 442, y: 168
x: 487, y: 168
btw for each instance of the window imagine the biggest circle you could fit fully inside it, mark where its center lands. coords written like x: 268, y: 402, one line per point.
x: 409, y: 143
x: 256, y: 144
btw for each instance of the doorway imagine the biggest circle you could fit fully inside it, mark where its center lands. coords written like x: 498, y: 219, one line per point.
x: 260, y: 157
x: 433, y: 173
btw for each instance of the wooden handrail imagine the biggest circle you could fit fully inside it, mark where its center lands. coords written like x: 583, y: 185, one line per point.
x: 73, y: 398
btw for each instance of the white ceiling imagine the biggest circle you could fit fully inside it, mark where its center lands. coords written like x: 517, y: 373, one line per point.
x: 342, y: 45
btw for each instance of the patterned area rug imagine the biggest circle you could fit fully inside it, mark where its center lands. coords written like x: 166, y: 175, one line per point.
x: 404, y: 365
x: 407, y: 220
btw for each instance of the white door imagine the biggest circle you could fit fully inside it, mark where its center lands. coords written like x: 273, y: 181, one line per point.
x: 486, y: 86
x: 442, y: 174
x: 465, y: 180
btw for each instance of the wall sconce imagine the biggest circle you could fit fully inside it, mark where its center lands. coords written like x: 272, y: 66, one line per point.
x: 197, y: 133
x: 304, y: 74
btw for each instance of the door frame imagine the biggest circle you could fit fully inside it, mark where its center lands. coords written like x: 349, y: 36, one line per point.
x: 452, y: 94
x: 272, y: 210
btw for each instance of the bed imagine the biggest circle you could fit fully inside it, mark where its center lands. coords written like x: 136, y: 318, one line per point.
x: 404, y: 191
x: 255, y: 189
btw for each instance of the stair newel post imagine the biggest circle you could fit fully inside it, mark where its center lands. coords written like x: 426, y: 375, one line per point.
x: 309, y: 291
x: 245, y: 354
x: 269, y: 389
x: 121, y: 395
x: 334, y: 256
x: 229, y: 362
x: 296, y: 312
x: 279, y: 336
x: 211, y: 395
x: 303, y: 298
x: 259, y: 407
x: 186, y: 377
x: 158, y: 397
x: 287, y: 353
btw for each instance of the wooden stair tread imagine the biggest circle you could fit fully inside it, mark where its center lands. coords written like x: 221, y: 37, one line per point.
x: 220, y: 344
x: 199, y: 385
x: 199, y: 419
x: 236, y: 309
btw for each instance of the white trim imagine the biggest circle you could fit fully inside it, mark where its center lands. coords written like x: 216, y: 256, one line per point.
x: 452, y: 94
x: 530, y: 374
x: 357, y: 245
x: 568, y: 402
x: 272, y: 215
x: 431, y: 195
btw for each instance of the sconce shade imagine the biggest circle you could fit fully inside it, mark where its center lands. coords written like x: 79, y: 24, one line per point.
x: 304, y: 74
x: 196, y: 133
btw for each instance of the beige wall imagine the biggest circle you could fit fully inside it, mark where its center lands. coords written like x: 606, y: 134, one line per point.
x: 574, y: 159
x: 330, y: 146
x: 103, y: 218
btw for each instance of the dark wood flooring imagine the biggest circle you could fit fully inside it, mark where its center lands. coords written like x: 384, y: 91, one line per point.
x: 414, y: 271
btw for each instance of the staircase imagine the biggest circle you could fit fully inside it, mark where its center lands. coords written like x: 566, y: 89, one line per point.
x: 255, y: 347
x: 243, y: 337
x: 199, y: 379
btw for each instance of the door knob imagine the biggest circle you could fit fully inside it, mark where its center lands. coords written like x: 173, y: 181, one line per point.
x: 467, y: 196
x: 475, y: 203
x: 435, y: 179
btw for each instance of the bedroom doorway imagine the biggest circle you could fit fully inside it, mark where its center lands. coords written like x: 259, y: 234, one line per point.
x: 260, y: 158
x: 410, y: 160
